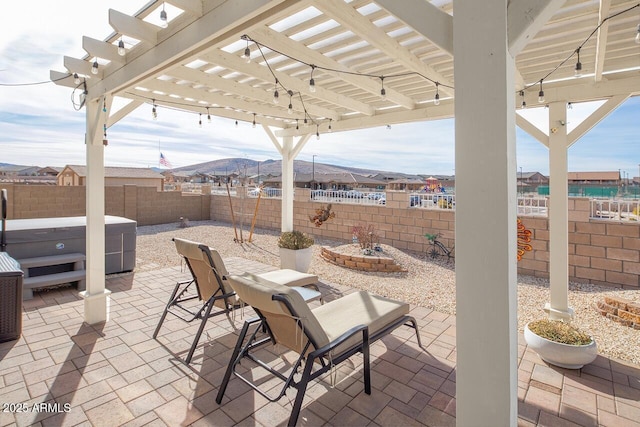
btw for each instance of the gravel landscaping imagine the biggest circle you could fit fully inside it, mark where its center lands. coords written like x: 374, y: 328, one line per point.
x: 425, y: 283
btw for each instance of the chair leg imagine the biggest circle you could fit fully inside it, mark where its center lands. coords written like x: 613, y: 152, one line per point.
x: 366, y: 355
x: 302, y: 388
x: 232, y: 361
x: 200, y: 329
x: 415, y: 326
x: 166, y: 310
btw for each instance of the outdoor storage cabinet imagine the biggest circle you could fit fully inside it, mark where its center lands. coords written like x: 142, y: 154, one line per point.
x: 40, y: 237
x: 10, y: 298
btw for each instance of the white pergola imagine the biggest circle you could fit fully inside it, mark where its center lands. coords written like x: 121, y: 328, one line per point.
x: 489, y: 51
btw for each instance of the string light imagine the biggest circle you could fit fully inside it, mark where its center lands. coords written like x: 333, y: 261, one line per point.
x: 317, y: 132
x: 247, y: 52
x: 208, y: 115
x: 94, y: 67
x: 290, y: 108
x: 637, y: 39
x: 76, y: 78
x: 276, y: 95
x: 312, y: 83
x: 578, y: 67
x: 236, y: 123
x: 297, y: 127
x: 524, y: 104
x: 436, y: 99
x: 383, y: 93
x: 163, y: 18
x: 330, y: 128
x: 541, y: 94
x: 121, y: 49
x: 154, y: 111
x: 200, y: 120
x: 253, y: 125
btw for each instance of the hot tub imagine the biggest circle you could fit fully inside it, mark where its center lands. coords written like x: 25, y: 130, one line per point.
x: 38, y: 237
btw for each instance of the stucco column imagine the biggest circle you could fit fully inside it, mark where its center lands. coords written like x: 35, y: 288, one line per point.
x: 558, y: 305
x: 96, y: 297
x: 486, y: 278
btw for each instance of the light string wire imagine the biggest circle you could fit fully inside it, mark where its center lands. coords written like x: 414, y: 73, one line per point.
x: 574, y: 52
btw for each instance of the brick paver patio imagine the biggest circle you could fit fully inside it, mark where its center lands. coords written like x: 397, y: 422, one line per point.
x: 116, y: 374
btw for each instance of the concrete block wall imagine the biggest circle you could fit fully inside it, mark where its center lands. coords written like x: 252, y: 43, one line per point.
x: 142, y: 204
x: 600, y: 251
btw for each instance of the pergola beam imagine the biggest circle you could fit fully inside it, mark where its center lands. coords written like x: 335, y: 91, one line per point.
x: 299, y: 50
x: 427, y: 19
x: 233, y: 62
x: 346, y: 15
x: 601, y: 39
x: 193, y: 7
x: 133, y: 27
x: 102, y: 50
x: 244, y: 90
x: 79, y: 66
x: 526, y: 18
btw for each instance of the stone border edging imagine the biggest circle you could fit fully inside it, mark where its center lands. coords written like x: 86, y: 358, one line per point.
x: 620, y: 310
x: 361, y: 263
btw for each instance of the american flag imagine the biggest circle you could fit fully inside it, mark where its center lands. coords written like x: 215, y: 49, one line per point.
x: 164, y: 161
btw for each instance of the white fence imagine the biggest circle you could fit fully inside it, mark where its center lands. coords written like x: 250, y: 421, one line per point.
x: 615, y: 210
x: 354, y: 197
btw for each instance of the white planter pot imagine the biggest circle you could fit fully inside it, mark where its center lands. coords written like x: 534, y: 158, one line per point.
x: 563, y: 355
x: 296, y: 259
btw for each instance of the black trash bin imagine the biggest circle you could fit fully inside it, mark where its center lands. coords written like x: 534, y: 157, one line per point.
x: 10, y: 298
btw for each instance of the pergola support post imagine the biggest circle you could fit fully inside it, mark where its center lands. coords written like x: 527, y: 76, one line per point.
x: 96, y: 297
x: 287, y: 184
x: 558, y: 305
x: 486, y: 279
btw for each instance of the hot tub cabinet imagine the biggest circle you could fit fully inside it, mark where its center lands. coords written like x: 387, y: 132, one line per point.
x: 48, y: 237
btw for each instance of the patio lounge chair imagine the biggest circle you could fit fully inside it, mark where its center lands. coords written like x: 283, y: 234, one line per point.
x: 324, y: 336
x: 210, y: 288
x: 283, y: 276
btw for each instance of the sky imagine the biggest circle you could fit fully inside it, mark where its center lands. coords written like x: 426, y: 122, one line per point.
x: 39, y: 125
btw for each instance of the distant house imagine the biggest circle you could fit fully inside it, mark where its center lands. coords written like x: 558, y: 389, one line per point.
x: 408, y: 184
x: 48, y: 171
x: 594, y: 178
x: 329, y: 181
x: 75, y: 175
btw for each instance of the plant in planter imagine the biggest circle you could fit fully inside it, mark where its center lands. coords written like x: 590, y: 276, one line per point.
x: 560, y: 344
x: 295, y: 250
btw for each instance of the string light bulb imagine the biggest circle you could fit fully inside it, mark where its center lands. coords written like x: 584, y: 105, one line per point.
x: 94, y: 67
x: 312, y: 82
x: 541, y: 94
x: 276, y: 95
x: 637, y: 39
x: 121, y: 50
x: 253, y: 125
x: 208, y: 115
x: 200, y: 120
x: 524, y: 103
x: 297, y: 126
x: 236, y: 123
x: 247, y: 52
x: 76, y: 78
x: 578, y: 67
x: 317, y: 133
x: 436, y: 99
x: 163, y: 18
x: 154, y: 111
x: 330, y: 128
x: 383, y: 92
x: 290, y: 107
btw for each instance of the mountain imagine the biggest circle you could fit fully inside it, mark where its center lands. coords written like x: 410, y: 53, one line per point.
x: 271, y: 167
